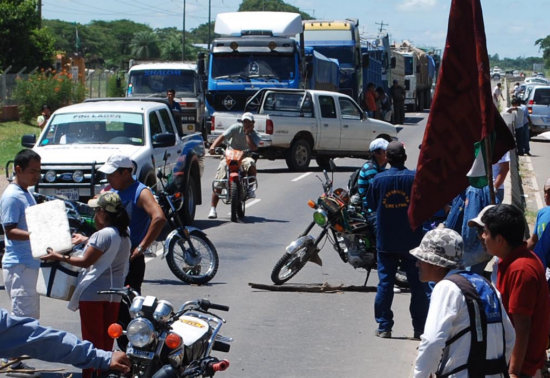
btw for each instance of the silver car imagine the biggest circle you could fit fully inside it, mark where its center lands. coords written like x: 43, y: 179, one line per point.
x: 538, y: 107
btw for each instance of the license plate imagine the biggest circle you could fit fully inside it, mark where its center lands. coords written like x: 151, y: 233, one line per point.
x: 70, y: 194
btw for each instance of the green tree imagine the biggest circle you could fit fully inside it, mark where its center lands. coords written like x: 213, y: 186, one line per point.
x: 144, y: 45
x: 544, y: 45
x: 271, y: 6
x: 22, y: 43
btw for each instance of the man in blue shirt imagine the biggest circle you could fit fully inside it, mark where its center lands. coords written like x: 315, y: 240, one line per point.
x: 389, y: 195
x: 543, y: 218
x: 24, y: 336
x: 372, y: 167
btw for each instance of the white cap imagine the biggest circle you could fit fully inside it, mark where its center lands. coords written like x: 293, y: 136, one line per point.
x: 249, y: 116
x: 477, y: 220
x: 115, y: 162
x: 378, y: 144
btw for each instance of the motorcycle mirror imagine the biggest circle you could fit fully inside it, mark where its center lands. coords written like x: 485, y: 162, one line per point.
x: 332, y: 165
x: 115, y: 331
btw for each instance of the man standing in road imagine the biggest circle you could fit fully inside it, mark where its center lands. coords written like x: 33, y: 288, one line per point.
x: 389, y: 195
x: 172, y: 104
x: 454, y: 341
x: 522, y: 284
x: 397, y: 94
x: 371, y: 168
x: 146, y: 216
x: 497, y: 93
x: 240, y: 136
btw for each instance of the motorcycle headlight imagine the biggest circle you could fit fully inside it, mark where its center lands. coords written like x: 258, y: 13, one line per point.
x: 140, y: 332
x: 320, y: 217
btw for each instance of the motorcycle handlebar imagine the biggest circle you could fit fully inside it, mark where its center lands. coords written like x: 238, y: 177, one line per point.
x: 206, y: 304
x: 220, y: 366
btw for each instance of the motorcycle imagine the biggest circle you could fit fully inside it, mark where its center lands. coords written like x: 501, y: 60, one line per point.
x: 350, y: 233
x: 167, y: 344
x: 234, y: 189
x: 190, y: 255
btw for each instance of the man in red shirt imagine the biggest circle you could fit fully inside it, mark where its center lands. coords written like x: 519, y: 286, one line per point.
x: 522, y: 284
x: 370, y: 99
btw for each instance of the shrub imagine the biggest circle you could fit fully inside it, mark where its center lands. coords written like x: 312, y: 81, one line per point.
x: 56, y: 89
x: 115, y: 86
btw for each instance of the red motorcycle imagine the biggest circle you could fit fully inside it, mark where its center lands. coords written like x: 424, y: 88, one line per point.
x: 234, y: 189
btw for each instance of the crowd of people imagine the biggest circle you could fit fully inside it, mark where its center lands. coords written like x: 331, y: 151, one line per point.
x: 470, y: 323
x: 379, y: 104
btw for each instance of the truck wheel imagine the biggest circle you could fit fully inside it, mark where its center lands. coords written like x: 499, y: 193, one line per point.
x: 189, y: 202
x: 323, y: 162
x: 299, y: 155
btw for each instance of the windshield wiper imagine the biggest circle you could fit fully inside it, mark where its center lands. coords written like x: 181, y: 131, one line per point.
x: 265, y: 77
x: 233, y: 77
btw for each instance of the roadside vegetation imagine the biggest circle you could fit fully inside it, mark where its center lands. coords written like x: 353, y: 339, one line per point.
x: 10, y: 140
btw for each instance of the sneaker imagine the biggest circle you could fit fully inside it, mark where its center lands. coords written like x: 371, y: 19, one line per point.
x: 251, y: 193
x: 21, y: 370
x: 212, y: 214
x: 383, y: 334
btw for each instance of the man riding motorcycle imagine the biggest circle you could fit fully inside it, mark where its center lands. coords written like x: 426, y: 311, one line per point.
x: 240, y: 136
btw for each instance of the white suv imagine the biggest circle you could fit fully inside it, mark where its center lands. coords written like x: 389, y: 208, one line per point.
x: 538, y: 107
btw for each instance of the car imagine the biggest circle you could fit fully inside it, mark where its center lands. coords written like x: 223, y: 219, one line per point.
x: 538, y: 108
x: 536, y: 80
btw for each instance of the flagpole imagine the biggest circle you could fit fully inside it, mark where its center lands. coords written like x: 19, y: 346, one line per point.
x: 489, y: 169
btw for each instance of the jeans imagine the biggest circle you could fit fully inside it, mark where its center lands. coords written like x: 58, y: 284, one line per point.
x: 520, y: 143
x: 420, y: 292
x: 526, y: 137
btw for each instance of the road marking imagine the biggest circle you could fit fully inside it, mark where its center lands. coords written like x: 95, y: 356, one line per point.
x: 301, y: 177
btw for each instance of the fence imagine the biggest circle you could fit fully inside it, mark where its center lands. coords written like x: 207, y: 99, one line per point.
x: 95, y: 81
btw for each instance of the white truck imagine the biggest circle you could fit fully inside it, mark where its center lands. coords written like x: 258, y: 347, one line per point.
x: 186, y: 78
x: 79, y: 138
x: 298, y: 124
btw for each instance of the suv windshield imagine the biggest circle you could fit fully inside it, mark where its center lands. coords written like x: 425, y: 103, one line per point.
x: 94, y: 128
x: 156, y: 82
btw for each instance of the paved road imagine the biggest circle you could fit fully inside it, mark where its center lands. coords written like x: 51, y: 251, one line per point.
x: 283, y: 334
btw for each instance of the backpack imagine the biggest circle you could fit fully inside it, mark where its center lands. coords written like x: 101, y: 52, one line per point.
x: 353, y: 183
x: 474, y: 287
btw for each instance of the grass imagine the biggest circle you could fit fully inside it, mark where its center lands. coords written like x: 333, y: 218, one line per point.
x: 10, y: 140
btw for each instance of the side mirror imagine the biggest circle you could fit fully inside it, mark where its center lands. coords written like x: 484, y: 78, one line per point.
x: 28, y: 140
x: 332, y: 165
x: 163, y: 140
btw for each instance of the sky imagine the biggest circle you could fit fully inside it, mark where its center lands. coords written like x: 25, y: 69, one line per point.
x: 511, y: 26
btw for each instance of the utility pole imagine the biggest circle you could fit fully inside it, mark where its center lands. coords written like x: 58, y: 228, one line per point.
x: 39, y: 14
x: 183, y: 46
x: 382, y: 24
x: 209, y: 24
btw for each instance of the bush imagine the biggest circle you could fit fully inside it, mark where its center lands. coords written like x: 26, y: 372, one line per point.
x: 56, y: 89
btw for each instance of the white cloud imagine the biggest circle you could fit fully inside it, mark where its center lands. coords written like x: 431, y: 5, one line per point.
x: 412, y: 5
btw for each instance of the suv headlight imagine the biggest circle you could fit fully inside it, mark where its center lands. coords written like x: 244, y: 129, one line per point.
x: 140, y: 332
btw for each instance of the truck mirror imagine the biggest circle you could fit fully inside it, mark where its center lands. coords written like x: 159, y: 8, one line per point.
x: 392, y: 62
x: 200, y: 64
x: 164, y: 140
x: 28, y: 140
x: 366, y: 60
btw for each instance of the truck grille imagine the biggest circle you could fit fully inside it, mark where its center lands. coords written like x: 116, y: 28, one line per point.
x: 228, y: 101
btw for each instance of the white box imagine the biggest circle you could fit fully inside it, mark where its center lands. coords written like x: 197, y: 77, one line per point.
x: 57, y: 280
x: 49, y: 228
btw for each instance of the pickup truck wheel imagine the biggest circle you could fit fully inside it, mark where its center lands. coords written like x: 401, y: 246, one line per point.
x: 323, y: 162
x: 189, y: 202
x: 299, y: 155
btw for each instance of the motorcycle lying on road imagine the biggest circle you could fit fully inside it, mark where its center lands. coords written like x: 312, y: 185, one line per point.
x: 190, y: 255
x: 352, y: 235
x: 234, y: 189
x: 167, y: 344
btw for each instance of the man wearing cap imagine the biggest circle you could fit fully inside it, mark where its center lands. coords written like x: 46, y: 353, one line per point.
x: 372, y: 167
x: 146, y: 216
x: 389, y: 195
x: 522, y: 284
x: 446, y: 345
x: 543, y: 218
x: 239, y: 136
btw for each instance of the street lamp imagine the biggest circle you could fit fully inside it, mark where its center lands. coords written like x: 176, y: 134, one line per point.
x: 183, y: 32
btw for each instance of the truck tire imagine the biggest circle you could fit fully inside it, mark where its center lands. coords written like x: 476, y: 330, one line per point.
x: 189, y: 202
x: 299, y: 155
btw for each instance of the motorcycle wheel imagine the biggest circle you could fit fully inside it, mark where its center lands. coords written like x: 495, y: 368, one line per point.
x: 235, y: 201
x: 192, y: 269
x: 242, y: 203
x: 290, y: 264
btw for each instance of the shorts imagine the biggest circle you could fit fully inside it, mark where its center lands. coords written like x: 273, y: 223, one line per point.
x: 20, y: 283
x: 245, y: 166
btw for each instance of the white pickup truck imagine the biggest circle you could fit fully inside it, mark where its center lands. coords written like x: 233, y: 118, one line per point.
x: 296, y: 124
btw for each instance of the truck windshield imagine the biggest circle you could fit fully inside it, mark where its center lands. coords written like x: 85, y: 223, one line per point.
x: 344, y: 54
x: 155, y: 82
x: 94, y: 128
x: 245, y: 67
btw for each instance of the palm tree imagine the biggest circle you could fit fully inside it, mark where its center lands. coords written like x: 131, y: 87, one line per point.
x: 144, y: 45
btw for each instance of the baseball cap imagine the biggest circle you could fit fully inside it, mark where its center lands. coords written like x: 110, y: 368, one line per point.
x: 547, y: 184
x: 442, y: 247
x: 110, y: 201
x: 378, y: 144
x: 249, y: 116
x: 115, y: 162
x: 477, y: 220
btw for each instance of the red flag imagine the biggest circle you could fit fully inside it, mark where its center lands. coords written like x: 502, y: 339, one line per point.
x: 462, y: 113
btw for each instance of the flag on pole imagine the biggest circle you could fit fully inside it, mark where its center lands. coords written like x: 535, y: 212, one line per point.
x: 462, y: 114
